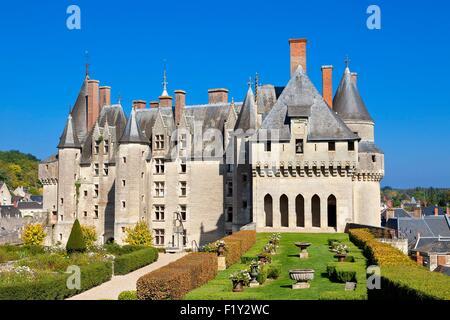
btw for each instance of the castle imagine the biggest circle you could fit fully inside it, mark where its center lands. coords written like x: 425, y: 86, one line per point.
x: 285, y: 159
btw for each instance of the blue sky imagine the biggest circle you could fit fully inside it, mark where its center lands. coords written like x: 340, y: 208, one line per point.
x: 403, y: 68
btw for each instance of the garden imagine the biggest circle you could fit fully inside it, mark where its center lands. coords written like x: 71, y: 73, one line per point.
x: 34, y: 272
x: 291, y: 266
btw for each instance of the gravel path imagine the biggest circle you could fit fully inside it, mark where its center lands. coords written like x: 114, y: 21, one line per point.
x: 112, y: 288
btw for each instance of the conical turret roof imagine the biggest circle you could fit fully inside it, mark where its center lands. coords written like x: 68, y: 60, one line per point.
x: 133, y: 132
x: 69, y: 138
x: 248, y: 116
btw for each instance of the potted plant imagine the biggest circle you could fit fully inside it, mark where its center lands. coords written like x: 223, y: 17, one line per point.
x: 341, y: 251
x: 264, y: 257
x: 240, y: 279
x: 254, y: 271
x: 270, y: 248
x: 275, y: 239
x: 220, y: 245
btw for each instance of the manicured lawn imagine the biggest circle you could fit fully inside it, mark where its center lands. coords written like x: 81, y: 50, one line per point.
x: 287, y: 258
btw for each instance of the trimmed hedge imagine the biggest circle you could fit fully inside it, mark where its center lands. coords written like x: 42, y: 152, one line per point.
x: 173, y: 281
x: 54, y: 287
x: 128, y: 295
x: 401, y: 277
x: 342, y: 271
x: 237, y: 244
x: 132, y: 261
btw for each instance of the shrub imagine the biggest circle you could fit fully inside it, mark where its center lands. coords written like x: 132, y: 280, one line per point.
x: 132, y: 261
x: 273, y: 272
x: 400, y: 276
x: 117, y: 250
x: 128, y: 295
x: 174, y: 280
x: 89, y: 235
x: 262, y: 274
x: 139, y: 235
x: 237, y: 244
x: 33, y: 234
x: 76, y: 241
x: 52, y: 286
x: 341, y: 271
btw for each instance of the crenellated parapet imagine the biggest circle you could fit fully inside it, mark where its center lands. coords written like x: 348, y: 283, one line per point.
x: 366, y: 175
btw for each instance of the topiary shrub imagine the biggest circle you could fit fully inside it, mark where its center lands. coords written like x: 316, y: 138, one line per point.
x: 273, y: 272
x: 341, y: 271
x: 128, y: 295
x: 33, y: 234
x: 76, y: 240
x: 139, y: 235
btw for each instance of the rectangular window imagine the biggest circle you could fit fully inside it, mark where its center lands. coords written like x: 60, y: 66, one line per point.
x: 60, y: 237
x: 61, y: 217
x: 351, y: 146
x: 268, y: 146
x: 95, y: 190
x: 96, y: 169
x: 184, y: 237
x: 106, y: 146
x: 124, y: 159
x: 159, y: 141
x: 298, y: 146
x: 96, y: 146
x: 62, y: 201
x: 96, y: 211
x: 159, y: 212
x: 105, y: 169
x: 229, y: 189
x: 183, y: 167
x: 183, y: 141
x: 85, y: 214
x: 374, y: 158
x: 229, y: 214
x: 183, y: 189
x: 159, y: 166
x: 183, y: 212
x: 332, y: 146
x: 124, y: 183
x: 124, y: 205
x: 85, y: 193
x: 159, y: 237
x: 159, y: 189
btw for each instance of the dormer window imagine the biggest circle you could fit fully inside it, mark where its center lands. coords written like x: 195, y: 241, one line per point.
x: 96, y: 169
x: 106, y: 146
x: 183, y: 141
x: 298, y: 146
x: 159, y: 166
x: 351, y: 146
x: 105, y: 169
x: 96, y: 146
x: 159, y: 142
x: 332, y: 146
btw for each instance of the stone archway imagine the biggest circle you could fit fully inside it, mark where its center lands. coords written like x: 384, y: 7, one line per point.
x: 332, y: 211
x: 300, y: 211
x: 268, y: 210
x: 315, y: 211
x: 284, y: 210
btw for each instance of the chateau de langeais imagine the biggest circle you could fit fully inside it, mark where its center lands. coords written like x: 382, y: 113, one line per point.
x: 288, y: 158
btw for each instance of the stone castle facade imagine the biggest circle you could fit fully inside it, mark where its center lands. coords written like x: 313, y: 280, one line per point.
x: 285, y: 159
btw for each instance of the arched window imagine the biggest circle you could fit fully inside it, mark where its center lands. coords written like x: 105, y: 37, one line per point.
x: 315, y: 211
x: 332, y: 214
x: 268, y: 210
x: 300, y: 211
x: 284, y: 211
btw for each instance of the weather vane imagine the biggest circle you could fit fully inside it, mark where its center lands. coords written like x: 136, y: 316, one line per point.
x: 86, y: 57
x: 347, y: 61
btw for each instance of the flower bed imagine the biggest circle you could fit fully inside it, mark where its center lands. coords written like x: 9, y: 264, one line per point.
x: 173, y: 281
x: 400, y: 276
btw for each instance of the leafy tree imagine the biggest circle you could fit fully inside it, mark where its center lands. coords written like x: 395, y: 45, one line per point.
x: 139, y: 235
x: 76, y: 241
x: 89, y: 235
x: 34, y: 234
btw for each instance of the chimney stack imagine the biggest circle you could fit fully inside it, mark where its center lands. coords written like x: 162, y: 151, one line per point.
x: 180, y: 103
x: 218, y: 95
x: 105, y: 96
x: 354, y: 78
x: 93, y: 103
x: 327, y: 85
x: 154, y: 104
x: 139, y: 104
x: 298, y: 54
x: 165, y: 101
x: 417, y: 212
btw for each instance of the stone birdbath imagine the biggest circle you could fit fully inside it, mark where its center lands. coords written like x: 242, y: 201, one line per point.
x: 302, y: 278
x: 340, y: 256
x: 303, y: 246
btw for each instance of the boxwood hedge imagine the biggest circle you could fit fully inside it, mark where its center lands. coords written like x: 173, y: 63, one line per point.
x: 136, y: 259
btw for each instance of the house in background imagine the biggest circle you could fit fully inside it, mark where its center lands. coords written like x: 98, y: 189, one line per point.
x: 5, y: 195
x: 31, y: 208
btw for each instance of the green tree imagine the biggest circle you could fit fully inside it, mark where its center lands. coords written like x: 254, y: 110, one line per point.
x: 139, y: 235
x: 76, y: 241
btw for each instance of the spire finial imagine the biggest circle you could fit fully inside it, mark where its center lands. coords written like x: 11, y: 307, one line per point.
x: 347, y: 61
x: 249, y: 82
x: 86, y: 57
x: 119, y: 98
x: 164, y: 83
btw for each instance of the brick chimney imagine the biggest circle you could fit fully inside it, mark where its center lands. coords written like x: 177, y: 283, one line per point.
x: 180, y: 103
x: 354, y: 78
x: 417, y: 213
x: 165, y: 101
x: 298, y: 54
x: 390, y: 213
x: 327, y: 85
x: 436, y: 211
x: 93, y: 105
x: 105, y: 96
x: 217, y: 95
x: 154, y: 104
x: 139, y: 104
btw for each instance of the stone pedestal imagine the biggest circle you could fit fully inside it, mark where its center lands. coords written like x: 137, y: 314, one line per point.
x: 301, y: 285
x: 221, y: 264
x: 350, y: 286
x: 254, y: 284
x: 304, y: 255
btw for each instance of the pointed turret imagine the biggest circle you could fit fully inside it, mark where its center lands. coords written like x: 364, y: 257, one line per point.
x: 69, y: 138
x: 247, y: 119
x: 347, y: 102
x: 133, y: 132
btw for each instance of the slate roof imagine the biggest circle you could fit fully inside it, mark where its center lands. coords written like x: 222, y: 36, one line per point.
x: 433, y: 245
x: 443, y: 269
x: 39, y: 199
x: 9, y: 212
x: 247, y: 118
x: 365, y: 146
x: 347, y: 102
x: 78, y: 113
x: 133, y: 132
x: 69, y: 138
x: 28, y: 205
x: 300, y: 97
x: 429, y: 211
x: 398, y: 213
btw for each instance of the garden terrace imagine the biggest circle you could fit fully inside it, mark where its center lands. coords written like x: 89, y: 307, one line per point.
x: 286, y: 258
